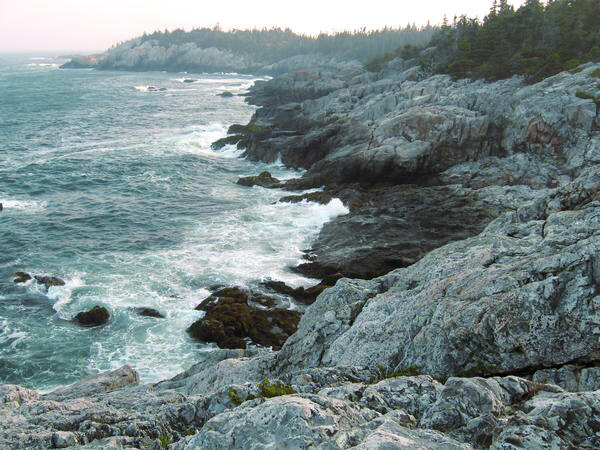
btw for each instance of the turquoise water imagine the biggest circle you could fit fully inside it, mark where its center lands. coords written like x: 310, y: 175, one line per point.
x: 114, y: 188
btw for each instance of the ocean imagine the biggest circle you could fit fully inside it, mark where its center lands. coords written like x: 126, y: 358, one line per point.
x: 109, y: 183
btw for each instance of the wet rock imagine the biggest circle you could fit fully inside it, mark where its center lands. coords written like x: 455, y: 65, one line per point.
x: 300, y: 294
x: 1, y: 207
x: 228, y: 140
x: 149, y: 312
x: 49, y: 281
x: 98, y: 315
x: 225, y: 94
x: 318, y: 197
x: 189, y: 80
x: 265, y: 179
x: 231, y: 317
x: 21, y: 277
x: 395, y: 226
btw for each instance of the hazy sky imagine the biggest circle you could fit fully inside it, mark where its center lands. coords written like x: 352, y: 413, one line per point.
x: 94, y: 25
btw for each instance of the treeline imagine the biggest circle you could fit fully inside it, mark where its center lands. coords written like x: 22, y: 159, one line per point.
x: 275, y: 44
x: 537, y: 40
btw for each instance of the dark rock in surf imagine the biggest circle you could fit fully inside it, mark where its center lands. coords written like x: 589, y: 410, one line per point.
x: 229, y: 140
x: 318, y: 197
x: 96, y: 316
x: 1, y: 207
x: 189, y: 80
x: 300, y: 294
x: 265, y: 179
x: 49, y: 281
x: 225, y: 94
x: 149, y: 312
x: 231, y: 317
x: 21, y: 277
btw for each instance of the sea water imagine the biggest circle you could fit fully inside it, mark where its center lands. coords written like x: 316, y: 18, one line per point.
x: 110, y: 183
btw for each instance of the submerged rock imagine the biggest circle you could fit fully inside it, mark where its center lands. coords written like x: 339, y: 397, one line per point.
x: 189, y: 80
x: 49, y: 281
x: 149, y: 312
x: 230, y: 318
x: 225, y: 94
x: 98, y: 315
x: 21, y: 277
x: 265, y: 179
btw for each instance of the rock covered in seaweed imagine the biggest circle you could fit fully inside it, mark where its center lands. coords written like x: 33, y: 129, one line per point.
x: 232, y: 315
x: 21, y: 277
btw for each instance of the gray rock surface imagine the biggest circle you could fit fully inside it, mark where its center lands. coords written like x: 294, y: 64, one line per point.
x: 456, y: 142
x: 571, y: 378
x: 518, y: 296
x: 486, y: 197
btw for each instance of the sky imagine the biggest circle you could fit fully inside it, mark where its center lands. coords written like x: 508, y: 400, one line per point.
x: 94, y: 25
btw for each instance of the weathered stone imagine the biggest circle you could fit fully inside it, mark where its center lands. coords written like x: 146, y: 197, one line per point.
x: 571, y: 378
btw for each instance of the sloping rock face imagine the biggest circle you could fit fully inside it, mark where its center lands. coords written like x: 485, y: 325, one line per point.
x: 422, y: 161
x: 519, y: 296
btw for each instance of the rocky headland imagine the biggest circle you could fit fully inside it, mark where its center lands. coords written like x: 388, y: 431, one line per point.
x: 469, y: 311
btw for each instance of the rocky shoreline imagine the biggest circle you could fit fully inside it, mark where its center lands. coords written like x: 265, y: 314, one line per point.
x: 469, y: 313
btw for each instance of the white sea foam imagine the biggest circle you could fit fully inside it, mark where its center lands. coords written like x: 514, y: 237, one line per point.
x: 62, y: 294
x: 149, y: 88
x: 23, y: 205
x: 53, y: 65
x: 198, y: 139
x: 229, y: 151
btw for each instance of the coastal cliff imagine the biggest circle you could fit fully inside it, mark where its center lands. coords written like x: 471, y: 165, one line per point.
x: 468, y: 316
